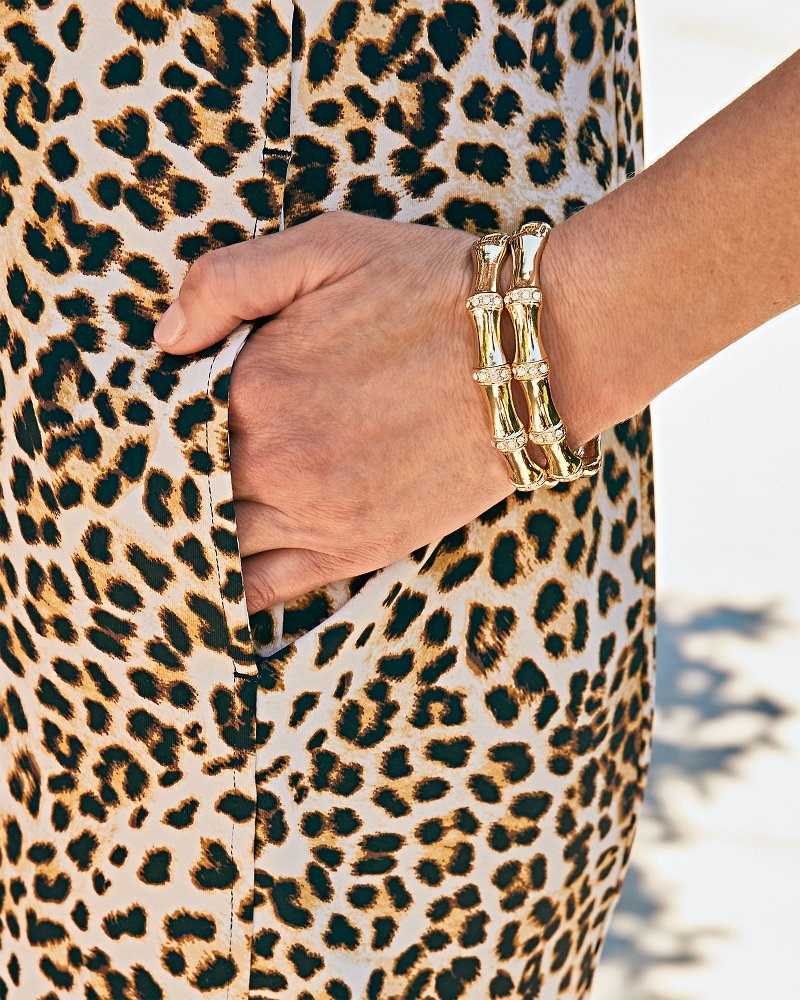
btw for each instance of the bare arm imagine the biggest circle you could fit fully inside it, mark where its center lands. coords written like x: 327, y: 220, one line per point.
x: 679, y: 262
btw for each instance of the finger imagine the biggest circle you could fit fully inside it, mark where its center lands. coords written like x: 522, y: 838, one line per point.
x: 245, y: 281
x: 282, y: 574
x: 260, y: 527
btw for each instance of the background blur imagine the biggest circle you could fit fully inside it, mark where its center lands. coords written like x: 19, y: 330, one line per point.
x: 711, y: 907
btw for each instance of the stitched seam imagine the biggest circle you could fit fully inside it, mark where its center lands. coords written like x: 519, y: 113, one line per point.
x: 227, y: 625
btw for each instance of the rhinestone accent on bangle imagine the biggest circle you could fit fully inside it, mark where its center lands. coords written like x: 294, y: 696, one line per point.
x: 523, y: 295
x: 512, y: 442
x: 485, y: 300
x: 551, y: 436
x: 493, y: 376
x: 530, y: 369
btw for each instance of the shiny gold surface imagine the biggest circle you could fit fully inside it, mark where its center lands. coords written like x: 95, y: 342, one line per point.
x: 485, y: 305
x: 531, y: 366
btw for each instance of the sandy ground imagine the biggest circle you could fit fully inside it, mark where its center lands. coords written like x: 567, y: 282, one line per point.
x: 711, y: 907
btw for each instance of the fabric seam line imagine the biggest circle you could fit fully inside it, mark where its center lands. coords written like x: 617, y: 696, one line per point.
x: 227, y: 625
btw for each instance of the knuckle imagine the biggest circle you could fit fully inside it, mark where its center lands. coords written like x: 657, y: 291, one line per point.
x: 207, y: 275
x: 260, y: 590
x: 257, y: 393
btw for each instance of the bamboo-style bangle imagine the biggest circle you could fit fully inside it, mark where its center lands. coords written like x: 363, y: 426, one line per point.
x: 485, y: 304
x: 531, y: 366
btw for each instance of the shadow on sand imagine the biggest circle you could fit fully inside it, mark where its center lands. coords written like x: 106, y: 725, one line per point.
x: 700, y: 690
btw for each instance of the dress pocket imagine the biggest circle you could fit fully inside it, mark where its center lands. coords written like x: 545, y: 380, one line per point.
x: 200, y: 425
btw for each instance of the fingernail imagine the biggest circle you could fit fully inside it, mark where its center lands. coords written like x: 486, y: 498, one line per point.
x: 172, y: 325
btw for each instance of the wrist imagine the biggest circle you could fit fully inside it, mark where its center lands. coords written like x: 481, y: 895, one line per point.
x: 569, y: 322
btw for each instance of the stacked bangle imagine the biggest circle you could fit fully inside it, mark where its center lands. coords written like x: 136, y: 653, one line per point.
x: 531, y: 367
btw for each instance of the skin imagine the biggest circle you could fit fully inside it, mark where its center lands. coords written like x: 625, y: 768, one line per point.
x: 357, y: 431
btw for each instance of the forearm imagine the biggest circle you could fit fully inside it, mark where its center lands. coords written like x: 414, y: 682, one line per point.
x: 678, y: 262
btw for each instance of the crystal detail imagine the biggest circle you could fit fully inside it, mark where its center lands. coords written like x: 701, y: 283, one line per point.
x: 482, y: 300
x: 525, y: 295
x: 529, y: 369
x: 550, y: 436
x: 488, y: 376
x: 511, y: 443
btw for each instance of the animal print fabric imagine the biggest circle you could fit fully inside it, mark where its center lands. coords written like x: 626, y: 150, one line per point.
x: 422, y: 782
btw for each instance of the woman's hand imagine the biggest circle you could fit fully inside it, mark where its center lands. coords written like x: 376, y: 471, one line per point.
x: 357, y: 431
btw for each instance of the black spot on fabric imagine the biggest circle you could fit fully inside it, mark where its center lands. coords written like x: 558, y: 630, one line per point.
x: 306, y: 963
x: 615, y: 481
x: 546, y: 61
x: 271, y: 39
x: 490, y: 161
x: 460, y: 571
x: 451, y: 31
x: 312, y: 176
x: 126, y: 69
x: 575, y: 549
x: 26, y: 429
x: 542, y: 527
x: 593, y: 148
x: 155, y: 572
x: 502, y: 704
x: 365, y: 196
x: 157, y: 491
x: 582, y: 31
x: 362, y: 144
x: 597, y: 87
x: 129, y: 923
x: 474, y: 216
x: 322, y: 61
x: 190, y: 926
x: 580, y: 631
x: 109, y: 191
x: 155, y: 869
x: 343, y: 19
x: 215, y: 973
x: 487, y: 632
x: 29, y: 49
x: 421, y: 124
x: 547, y: 136
x: 301, y: 618
x: 191, y: 552
x: 340, y: 933
x: 362, y: 101
x: 61, y: 162
x: 406, y: 160
x: 508, y: 51
x: 217, y: 158
x: 608, y: 591
x: 376, y: 60
x: 145, y: 27
x: 70, y: 27
x: 330, y: 641
x: 406, y: 609
x: 22, y: 131
x: 549, y: 601
x: 216, y: 869
x: 423, y: 184
x: 503, y: 565
x: 128, y: 136
x: 477, y: 102
x: 437, y: 627
x: 326, y: 112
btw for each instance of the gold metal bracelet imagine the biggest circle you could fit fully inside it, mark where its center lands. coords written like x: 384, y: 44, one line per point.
x: 485, y: 305
x: 531, y: 366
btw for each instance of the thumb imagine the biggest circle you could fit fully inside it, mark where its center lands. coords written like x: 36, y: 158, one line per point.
x: 244, y: 281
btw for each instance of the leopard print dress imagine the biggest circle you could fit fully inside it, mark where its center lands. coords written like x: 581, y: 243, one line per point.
x: 422, y: 782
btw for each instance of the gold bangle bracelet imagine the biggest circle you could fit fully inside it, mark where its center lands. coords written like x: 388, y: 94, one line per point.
x: 485, y: 305
x: 530, y: 366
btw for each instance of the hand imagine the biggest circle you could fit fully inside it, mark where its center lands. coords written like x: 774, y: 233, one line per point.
x: 357, y: 431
